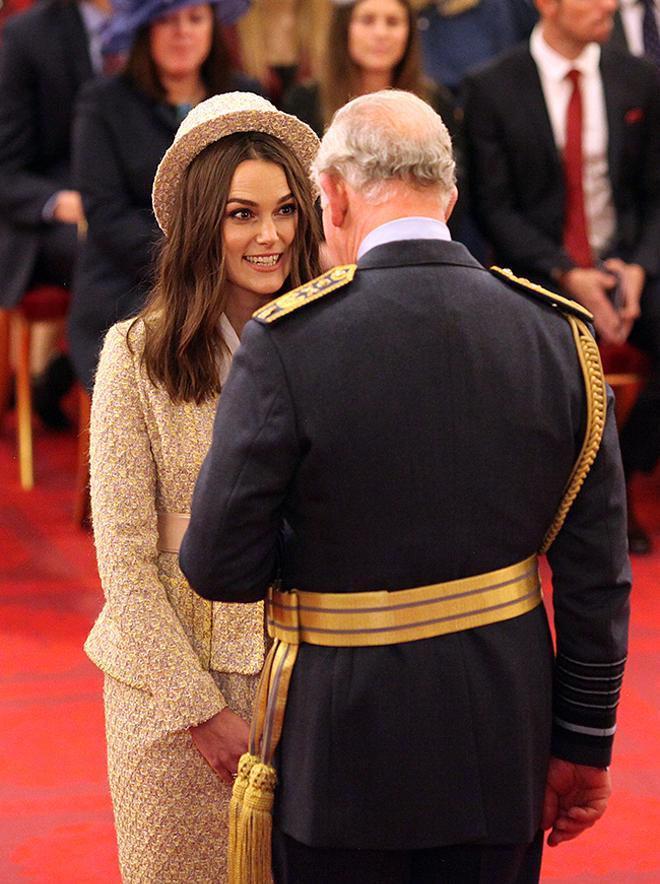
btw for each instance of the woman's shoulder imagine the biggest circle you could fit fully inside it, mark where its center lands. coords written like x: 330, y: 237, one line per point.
x: 124, y: 342
x: 107, y: 92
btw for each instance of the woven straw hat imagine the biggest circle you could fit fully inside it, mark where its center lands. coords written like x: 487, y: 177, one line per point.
x: 212, y: 120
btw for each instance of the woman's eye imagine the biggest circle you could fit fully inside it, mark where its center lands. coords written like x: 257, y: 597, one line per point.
x: 289, y: 209
x: 241, y: 214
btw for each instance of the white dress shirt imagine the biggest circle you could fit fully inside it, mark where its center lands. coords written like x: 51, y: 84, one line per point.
x: 553, y: 68
x: 233, y: 343
x: 632, y: 18
x: 410, y: 227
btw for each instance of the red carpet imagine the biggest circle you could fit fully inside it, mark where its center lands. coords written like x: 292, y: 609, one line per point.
x: 55, y: 816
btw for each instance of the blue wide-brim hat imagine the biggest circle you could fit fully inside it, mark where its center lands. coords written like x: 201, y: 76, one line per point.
x: 129, y: 16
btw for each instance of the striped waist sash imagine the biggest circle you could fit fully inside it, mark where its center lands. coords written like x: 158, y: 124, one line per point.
x: 362, y: 619
x: 358, y: 619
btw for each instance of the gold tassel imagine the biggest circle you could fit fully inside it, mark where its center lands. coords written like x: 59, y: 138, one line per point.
x: 245, y: 764
x: 256, y: 826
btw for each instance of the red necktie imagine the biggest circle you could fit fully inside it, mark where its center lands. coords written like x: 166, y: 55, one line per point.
x: 576, y: 241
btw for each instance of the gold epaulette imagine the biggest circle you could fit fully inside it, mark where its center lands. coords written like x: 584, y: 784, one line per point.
x: 552, y: 299
x: 304, y: 294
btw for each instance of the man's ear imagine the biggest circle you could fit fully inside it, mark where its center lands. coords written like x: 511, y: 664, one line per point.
x: 451, y: 203
x: 335, y: 197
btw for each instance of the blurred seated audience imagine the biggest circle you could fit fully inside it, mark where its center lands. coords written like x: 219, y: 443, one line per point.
x: 47, y: 54
x: 457, y: 35
x: 281, y: 42
x: 637, y: 28
x: 370, y: 45
x: 11, y: 7
x: 563, y: 137
x: 123, y: 125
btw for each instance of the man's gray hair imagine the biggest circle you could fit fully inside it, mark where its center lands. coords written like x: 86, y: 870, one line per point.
x: 384, y: 137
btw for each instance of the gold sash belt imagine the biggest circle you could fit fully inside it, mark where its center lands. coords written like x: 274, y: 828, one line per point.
x: 356, y: 619
x: 362, y: 619
x: 171, y: 528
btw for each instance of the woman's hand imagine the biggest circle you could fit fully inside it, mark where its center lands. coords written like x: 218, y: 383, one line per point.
x: 221, y: 741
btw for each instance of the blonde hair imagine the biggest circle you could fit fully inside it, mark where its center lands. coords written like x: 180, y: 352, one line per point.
x: 311, y: 24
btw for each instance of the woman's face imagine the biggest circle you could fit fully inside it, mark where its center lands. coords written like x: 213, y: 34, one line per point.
x: 377, y: 35
x: 258, y: 229
x: 181, y: 41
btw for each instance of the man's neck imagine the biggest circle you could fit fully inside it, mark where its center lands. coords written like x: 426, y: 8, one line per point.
x: 561, y: 42
x: 407, y: 204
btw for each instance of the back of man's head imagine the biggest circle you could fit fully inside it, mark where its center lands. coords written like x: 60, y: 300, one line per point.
x: 386, y: 137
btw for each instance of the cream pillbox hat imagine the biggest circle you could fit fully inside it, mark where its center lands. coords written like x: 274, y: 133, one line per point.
x: 212, y: 120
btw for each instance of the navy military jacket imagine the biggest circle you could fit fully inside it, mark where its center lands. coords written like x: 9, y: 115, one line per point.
x: 416, y: 426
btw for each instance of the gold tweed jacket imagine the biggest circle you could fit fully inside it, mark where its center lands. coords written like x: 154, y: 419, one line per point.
x: 154, y: 633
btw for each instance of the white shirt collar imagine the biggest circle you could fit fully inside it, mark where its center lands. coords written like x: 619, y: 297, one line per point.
x: 410, y: 227
x: 555, y: 66
x: 229, y: 334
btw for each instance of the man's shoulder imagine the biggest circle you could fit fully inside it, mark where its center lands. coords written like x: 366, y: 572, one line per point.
x: 36, y: 20
x: 514, y: 62
x: 627, y: 68
x: 541, y: 295
x: 315, y: 289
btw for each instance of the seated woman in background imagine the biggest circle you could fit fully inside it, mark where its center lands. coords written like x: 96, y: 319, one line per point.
x: 176, y: 58
x: 281, y: 42
x: 370, y: 45
x: 233, y: 198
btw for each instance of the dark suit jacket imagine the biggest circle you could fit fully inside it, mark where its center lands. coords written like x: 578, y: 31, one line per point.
x: 416, y: 426
x: 44, y: 59
x: 516, y: 176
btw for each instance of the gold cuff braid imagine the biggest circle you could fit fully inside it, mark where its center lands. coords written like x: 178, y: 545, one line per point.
x: 594, y: 383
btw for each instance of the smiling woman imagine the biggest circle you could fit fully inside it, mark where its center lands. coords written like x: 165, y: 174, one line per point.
x: 258, y: 232
x: 233, y: 197
x: 176, y: 57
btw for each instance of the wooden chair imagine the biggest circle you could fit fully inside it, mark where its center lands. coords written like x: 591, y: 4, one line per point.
x: 40, y: 303
x: 626, y: 371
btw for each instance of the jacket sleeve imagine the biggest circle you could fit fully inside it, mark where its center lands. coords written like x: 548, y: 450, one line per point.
x: 231, y: 547
x: 123, y: 231
x: 647, y: 250
x: 123, y: 491
x: 492, y: 192
x: 23, y: 192
x: 591, y: 586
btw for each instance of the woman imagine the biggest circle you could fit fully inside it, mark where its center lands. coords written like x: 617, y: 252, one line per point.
x: 281, y: 41
x: 176, y: 58
x: 233, y: 198
x: 371, y: 45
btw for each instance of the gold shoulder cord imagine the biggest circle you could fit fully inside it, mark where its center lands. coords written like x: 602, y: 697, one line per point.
x: 594, y: 383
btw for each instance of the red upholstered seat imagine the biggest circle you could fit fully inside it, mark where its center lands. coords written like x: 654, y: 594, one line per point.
x: 623, y: 359
x: 45, y: 302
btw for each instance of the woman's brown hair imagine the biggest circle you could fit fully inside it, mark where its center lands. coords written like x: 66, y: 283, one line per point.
x: 341, y: 76
x: 141, y: 69
x: 184, y: 343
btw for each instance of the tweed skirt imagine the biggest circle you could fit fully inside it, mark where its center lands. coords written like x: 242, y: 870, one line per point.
x: 171, y: 809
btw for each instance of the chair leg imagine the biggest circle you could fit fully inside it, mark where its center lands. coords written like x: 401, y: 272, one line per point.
x: 24, y: 404
x: 81, y: 512
x: 5, y: 367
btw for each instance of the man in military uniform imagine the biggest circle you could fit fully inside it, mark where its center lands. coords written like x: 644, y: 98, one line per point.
x: 395, y: 443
